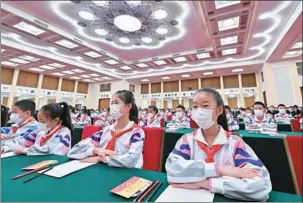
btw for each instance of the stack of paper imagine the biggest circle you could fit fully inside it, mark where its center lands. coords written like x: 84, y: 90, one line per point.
x: 8, y: 154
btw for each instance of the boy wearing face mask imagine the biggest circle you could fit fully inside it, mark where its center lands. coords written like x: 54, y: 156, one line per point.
x: 241, y: 115
x: 248, y: 115
x: 24, y: 122
x: 282, y: 116
x: 179, y: 119
x: 232, y: 124
x: 260, y: 121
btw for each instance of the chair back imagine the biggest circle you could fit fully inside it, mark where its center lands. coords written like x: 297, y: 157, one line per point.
x: 89, y: 130
x: 295, y: 125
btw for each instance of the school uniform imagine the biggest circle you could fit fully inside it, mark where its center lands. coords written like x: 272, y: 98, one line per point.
x: 183, y: 122
x: 16, y: 130
x: 73, y: 117
x: 284, y: 118
x: 247, y: 119
x: 193, y: 161
x: 128, y: 144
x: 83, y: 120
x: 57, y: 142
x: 266, y: 123
x: 104, y: 121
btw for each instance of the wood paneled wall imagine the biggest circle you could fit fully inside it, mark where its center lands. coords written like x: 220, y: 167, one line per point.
x: 231, y: 81
x: 7, y: 75
x: 156, y: 87
x: 189, y: 85
x: 171, y: 86
x: 50, y: 82
x: 249, y: 80
x: 105, y: 87
x: 213, y: 82
x: 28, y: 79
x: 82, y: 87
x: 68, y: 85
x: 144, y: 88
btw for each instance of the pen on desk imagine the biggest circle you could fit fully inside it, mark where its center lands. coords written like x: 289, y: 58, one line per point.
x: 30, y: 172
x: 153, y: 192
x: 142, y: 192
x: 39, y: 174
x: 148, y: 191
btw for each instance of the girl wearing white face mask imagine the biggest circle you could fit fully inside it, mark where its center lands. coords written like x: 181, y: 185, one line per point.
x: 214, y: 159
x: 153, y: 118
x: 282, y: 116
x: 179, y: 119
x: 260, y: 121
x: 232, y: 124
x: 104, y: 119
x: 84, y: 118
x: 118, y: 145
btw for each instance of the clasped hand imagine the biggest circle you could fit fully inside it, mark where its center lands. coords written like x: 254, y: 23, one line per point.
x: 100, y: 155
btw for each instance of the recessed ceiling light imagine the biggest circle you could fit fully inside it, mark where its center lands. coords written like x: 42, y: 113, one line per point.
x: 292, y: 54
x: 57, y: 65
x: 127, y: 23
x: 86, y: 15
x: 297, y: 45
x: 229, y: 40
x: 47, y: 67
x: 68, y: 72
x: 203, y: 55
x: 2, y: 50
x: 29, y: 58
x: 185, y: 76
x: 98, y: 79
x: 66, y: 43
x: 7, y: 63
x: 146, y: 39
x: 92, y: 54
x: 126, y: 68
x: 180, y: 59
x: 78, y: 71
x: 160, y: 62
x: 229, y: 51
x: 162, y: 30
x: 145, y: 80
x: 75, y: 77
x: 88, y: 80
x: 229, y: 23
x: 165, y: 78
x: 222, y: 4
x: 29, y: 28
x: 142, y: 65
x: 208, y: 73
x: 94, y: 74
x: 101, y: 3
x: 58, y: 74
x: 105, y: 78
x: 111, y: 62
x: 124, y: 40
x: 36, y: 69
x: 237, y: 70
x: 85, y: 76
x: 133, y: 3
x: 159, y: 14
x: 101, y: 31
x: 17, y: 60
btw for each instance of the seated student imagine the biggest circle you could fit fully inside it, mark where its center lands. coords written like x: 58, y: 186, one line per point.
x: 248, y: 115
x: 143, y: 117
x: 4, y: 115
x: 118, y: 145
x: 53, y: 136
x: 84, y: 117
x: 179, y: 119
x: 162, y: 113
x: 168, y: 112
x: 269, y: 115
x: 273, y: 109
x: 232, y: 124
x: 241, y: 115
x: 259, y: 121
x: 104, y: 119
x: 73, y: 114
x: 153, y: 118
x: 22, y: 117
x: 282, y: 116
x: 214, y: 159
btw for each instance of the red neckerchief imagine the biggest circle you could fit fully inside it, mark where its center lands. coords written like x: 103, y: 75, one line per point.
x: 115, y: 136
x: 47, y: 137
x: 210, y: 153
x: 15, y: 128
x: 263, y: 121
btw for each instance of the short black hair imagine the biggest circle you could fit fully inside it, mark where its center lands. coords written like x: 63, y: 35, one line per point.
x: 181, y: 107
x: 227, y: 107
x: 260, y: 103
x: 26, y: 105
x: 269, y: 113
x: 295, y: 106
x: 154, y: 108
x: 281, y: 105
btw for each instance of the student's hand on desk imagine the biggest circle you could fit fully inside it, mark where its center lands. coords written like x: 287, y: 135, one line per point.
x: 92, y: 159
x: 250, y: 125
x: 20, y: 150
x: 191, y: 186
x: 104, y: 152
x: 4, y: 136
x: 238, y: 172
x: 230, y: 129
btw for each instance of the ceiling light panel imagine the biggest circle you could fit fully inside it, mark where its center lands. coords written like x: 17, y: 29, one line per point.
x: 68, y: 72
x: 37, y: 69
x: 203, y: 55
x: 29, y: 58
x: 58, y: 74
x: 29, y: 28
x: 88, y: 80
x: 94, y: 75
x: 297, y: 45
x: 208, y: 73
x: 237, y: 70
x: 229, y: 23
x: 185, y: 76
x: 2, y: 50
x: 57, y: 65
x: 17, y: 60
x: 292, y: 54
x: 180, y: 59
x: 229, y: 40
x: 8, y: 63
x: 47, y: 67
x: 142, y: 65
x: 75, y: 77
x: 126, y: 68
x: 78, y: 71
x: 145, y: 80
x: 111, y: 62
x: 229, y: 51
x: 223, y: 4
x: 85, y: 76
x: 66, y: 43
x: 86, y: 15
x: 165, y: 78
x: 160, y: 62
x: 92, y: 54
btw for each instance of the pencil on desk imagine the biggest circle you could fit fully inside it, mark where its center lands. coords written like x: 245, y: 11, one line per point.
x: 153, y: 192
x: 142, y: 192
x: 148, y: 191
x: 30, y: 172
x: 39, y: 174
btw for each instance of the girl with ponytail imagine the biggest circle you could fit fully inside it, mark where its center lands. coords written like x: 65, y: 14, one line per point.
x: 117, y: 145
x: 54, y: 135
x: 214, y: 159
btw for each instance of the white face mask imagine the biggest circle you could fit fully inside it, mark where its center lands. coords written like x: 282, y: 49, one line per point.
x: 42, y: 126
x: 282, y: 111
x: 248, y: 114
x: 150, y: 115
x: 259, y: 113
x: 15, y: 118
x: 203, y: 117
x: 115, y: 111
x: 179, y: 114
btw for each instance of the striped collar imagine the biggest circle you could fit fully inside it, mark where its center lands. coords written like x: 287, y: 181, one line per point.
x: 220, y: 139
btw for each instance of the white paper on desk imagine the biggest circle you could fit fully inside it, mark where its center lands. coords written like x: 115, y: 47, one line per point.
x: 172, y: 194
x: 8, y: 154
x: 66, y: 168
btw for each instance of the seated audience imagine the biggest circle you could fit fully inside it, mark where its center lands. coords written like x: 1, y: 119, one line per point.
x: 241, y: 115
x: 273, y: 109
x: 179, y: 119
x: 282, y: 116
x: 232, y: 124
x: 142, y: 117
x: 153, y: 119
x: 73, y: 114
x: 248, y: 115
x: 269, y: 115
x: 4, y: 115
x: 84, y: 117
x: 104, y: 119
